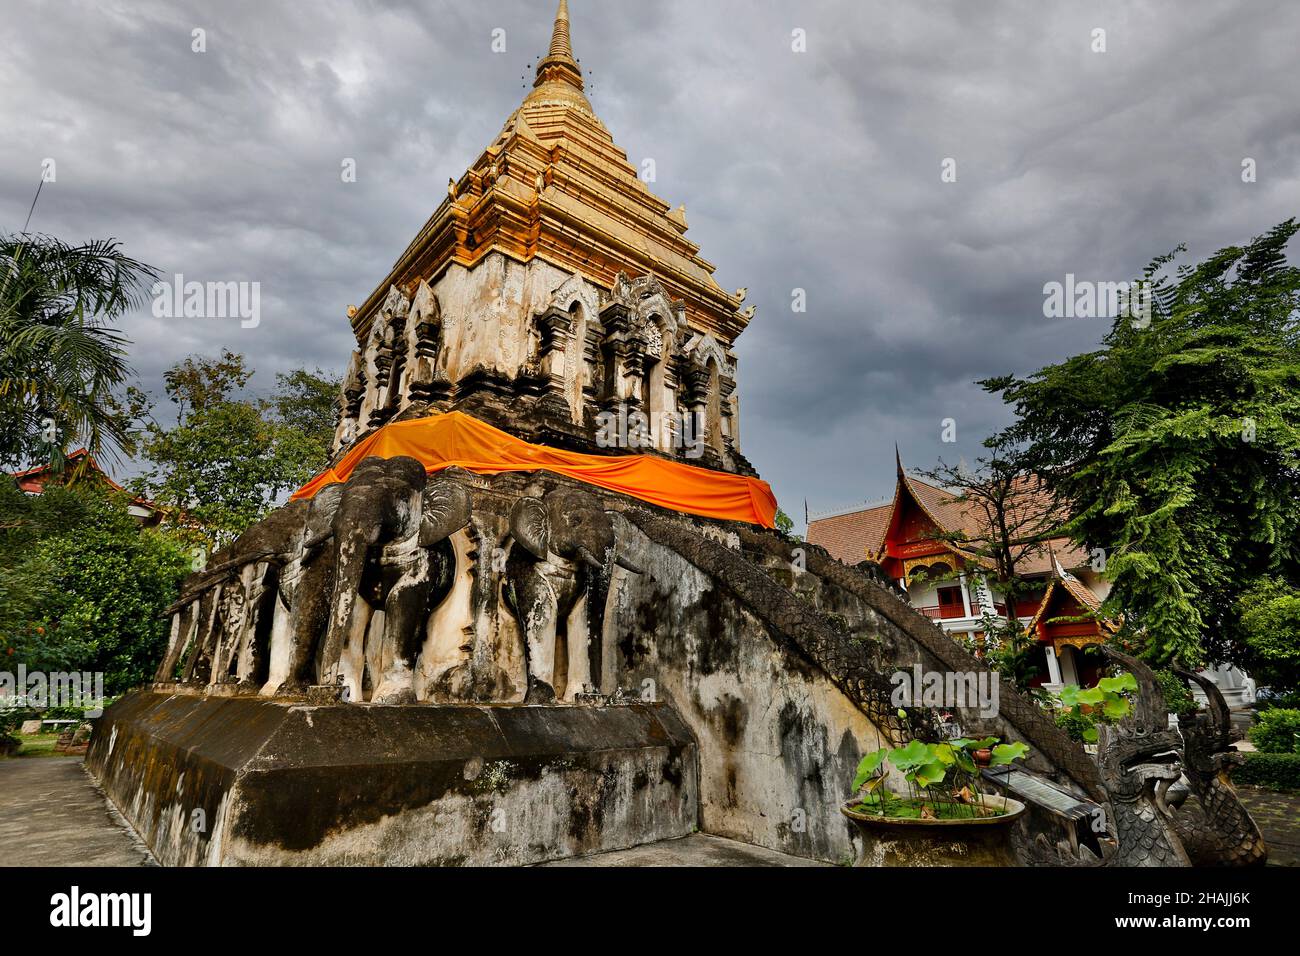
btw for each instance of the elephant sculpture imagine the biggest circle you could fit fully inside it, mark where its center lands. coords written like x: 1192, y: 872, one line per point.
x: 566, y: 545
x: 226, y: 610
x: 229, y: 630
x: 416, y: 577
x: 305, y: 587
x: 390, y: 535
x: 185, y: 620
x: 198, y: 663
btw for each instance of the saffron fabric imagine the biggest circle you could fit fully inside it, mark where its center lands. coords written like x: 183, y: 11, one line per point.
x: 459, y: 440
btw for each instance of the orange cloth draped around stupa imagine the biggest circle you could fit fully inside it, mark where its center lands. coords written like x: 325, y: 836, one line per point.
x: 458, y: 440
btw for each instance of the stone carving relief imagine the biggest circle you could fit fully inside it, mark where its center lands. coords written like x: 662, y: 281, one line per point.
x: 557, y: 581
x: 585, y: 352
x: 1214, y: 827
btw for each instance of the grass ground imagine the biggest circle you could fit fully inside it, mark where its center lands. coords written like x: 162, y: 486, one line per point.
x: 39, y: 745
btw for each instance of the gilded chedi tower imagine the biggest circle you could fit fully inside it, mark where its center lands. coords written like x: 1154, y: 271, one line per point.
x: 549, y: 286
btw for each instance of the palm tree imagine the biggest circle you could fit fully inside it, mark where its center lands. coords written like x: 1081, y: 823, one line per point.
x: 61, y: 360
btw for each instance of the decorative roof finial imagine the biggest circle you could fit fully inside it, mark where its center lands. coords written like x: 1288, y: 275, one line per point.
x: 560, y: 45
x: 559, y: 63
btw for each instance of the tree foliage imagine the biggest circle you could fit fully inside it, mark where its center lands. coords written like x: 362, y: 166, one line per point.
x: 82, y: 585
x: 61, y: 361
x: 1178, y: 445
x: 1270, y: 618
x: 231, y: 457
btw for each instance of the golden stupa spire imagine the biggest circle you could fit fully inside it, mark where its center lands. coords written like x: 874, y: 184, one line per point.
x: 559, y: 65
x: 555, y: 186
x: 560, y: 45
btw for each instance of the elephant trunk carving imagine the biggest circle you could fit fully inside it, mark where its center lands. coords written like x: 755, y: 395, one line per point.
x: 305, y: 590
x: 378, y: 506
x: 389, y: 518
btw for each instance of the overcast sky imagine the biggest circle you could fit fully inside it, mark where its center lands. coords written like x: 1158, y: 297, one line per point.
x: 818, y: 170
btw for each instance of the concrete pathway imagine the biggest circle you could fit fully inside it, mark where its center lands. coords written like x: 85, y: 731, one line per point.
x: 52, y: 814
x: 698, y: 849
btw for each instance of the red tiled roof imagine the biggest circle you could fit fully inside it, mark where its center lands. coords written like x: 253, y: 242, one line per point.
x: 33, y: 480
x: 852, y: 537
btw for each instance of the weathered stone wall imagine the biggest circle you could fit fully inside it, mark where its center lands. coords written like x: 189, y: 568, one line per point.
x: 782, y: 673
x: 240, y: 781
x: 543, y: 353
x: 779, y: 743
x: 487, y: 312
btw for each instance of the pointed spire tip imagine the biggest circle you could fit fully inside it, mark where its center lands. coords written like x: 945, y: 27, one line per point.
x: 559, y: 62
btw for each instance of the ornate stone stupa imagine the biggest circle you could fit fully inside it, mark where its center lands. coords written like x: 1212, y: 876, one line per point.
x: 549, y: 286
x: 535, y: 608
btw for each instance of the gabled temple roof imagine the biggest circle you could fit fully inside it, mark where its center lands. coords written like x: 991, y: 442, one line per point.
x: 861, y: 534
x: 79, y: 464
x: 555, y: 186
x: 1064, y: 583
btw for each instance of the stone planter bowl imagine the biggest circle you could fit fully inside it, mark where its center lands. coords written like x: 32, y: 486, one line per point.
x: 977, y: 841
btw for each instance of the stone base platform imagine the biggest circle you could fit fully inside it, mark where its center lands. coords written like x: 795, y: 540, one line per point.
x: 248, y: 781
x: 696, y: 850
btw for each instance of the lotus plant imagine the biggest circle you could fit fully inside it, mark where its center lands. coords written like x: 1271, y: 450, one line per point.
x: 1104, y: 703
x: 940, y: 778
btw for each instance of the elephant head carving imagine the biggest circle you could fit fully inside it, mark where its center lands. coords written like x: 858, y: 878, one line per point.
x: 389, y: 519
x: 568, y: 523
x: 566, y: 550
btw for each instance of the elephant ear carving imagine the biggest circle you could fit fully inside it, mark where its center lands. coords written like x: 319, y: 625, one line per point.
x: 530, y: 526
x: 447, y: 509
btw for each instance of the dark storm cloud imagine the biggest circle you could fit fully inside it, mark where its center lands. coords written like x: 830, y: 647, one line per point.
x: 817, y: 171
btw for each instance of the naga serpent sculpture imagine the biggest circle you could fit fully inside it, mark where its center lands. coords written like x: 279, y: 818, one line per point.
x: 1215, y: 828
x: 1139, y: 763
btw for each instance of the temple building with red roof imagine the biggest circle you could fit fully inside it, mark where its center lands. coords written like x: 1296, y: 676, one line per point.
x: 81, y: 465
x: 926, y: 539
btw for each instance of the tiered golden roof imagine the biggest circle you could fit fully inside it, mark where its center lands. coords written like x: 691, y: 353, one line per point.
x: 555, y: 186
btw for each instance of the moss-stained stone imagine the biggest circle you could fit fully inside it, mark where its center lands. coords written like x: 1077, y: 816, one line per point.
x: 278, y: 783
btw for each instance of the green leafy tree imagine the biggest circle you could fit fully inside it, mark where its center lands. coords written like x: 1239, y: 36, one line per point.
x: 82, y: 585
x: 1278, y: 731
x: 1178, y: 446
x: 1270, y: 618
x: 61, y: 361
x: 230, y: 457
x: 1078, y: 711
